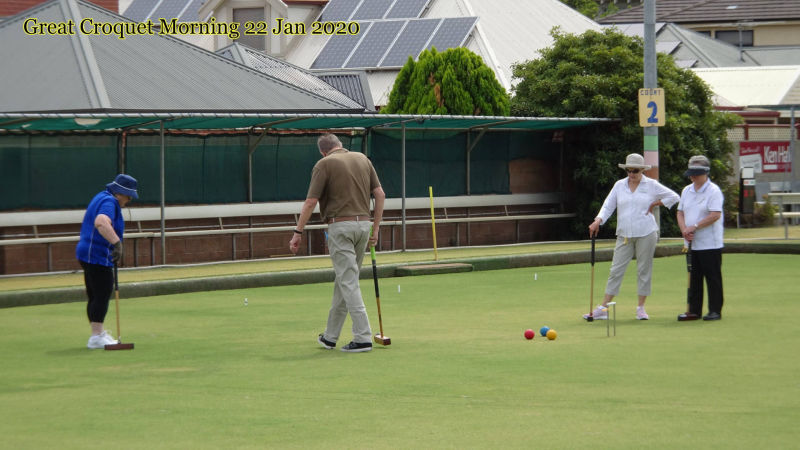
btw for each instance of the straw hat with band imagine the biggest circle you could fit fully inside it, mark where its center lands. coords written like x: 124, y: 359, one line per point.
x: 635, y: 161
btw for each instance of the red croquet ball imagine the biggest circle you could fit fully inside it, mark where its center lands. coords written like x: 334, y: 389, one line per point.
x: 529, y: 334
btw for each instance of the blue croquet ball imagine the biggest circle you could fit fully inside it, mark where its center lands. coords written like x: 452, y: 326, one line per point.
x: 543, y: 331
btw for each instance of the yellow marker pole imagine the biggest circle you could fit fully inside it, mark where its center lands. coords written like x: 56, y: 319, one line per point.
x: 433, y: 226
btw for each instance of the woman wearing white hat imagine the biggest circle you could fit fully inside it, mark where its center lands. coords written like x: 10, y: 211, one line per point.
x: 633, y: 198
x: 100, y: 249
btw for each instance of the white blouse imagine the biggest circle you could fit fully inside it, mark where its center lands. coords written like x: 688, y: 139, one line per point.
x: 633, y: 220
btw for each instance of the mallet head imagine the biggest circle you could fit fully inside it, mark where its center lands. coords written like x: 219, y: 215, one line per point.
x: 590, y: 319
x: 119, y: 346
x: 380, y: 339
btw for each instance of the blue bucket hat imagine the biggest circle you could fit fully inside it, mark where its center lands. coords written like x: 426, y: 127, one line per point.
x: 124, y: 184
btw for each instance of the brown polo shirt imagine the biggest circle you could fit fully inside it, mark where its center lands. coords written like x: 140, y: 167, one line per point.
x: 343, y: 181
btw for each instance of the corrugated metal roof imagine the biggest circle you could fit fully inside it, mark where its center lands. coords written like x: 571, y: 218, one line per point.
x: 775, y: 55
x: 353, y: 84
x: 689, y: 48
x: 143, y: 72
x: 745, y: 86
x: 693, y: 11
x: 512, y: 31
x: 289, y: 73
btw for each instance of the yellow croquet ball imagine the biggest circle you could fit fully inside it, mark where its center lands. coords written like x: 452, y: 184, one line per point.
x: 552, y: 335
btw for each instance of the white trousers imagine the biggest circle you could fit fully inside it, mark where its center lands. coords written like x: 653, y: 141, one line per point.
x: 347, y: 242
x: 643, y: 248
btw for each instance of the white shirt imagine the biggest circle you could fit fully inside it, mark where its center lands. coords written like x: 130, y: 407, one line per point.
x: 696, y: 205
x: 633, y: 220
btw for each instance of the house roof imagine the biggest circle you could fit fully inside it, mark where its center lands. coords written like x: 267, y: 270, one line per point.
x: 506, y: 32
x: 691, y: 49
x: 694, y: 11
x: 290, y: 73
x: 746, y: 86
x: 149, y: 72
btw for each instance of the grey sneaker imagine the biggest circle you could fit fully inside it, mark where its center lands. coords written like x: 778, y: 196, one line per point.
x: 357, y: 347
x: 326, y: 344
x: 641, y: 314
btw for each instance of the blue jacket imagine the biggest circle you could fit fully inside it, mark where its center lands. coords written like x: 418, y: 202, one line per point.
x: 92, y: 247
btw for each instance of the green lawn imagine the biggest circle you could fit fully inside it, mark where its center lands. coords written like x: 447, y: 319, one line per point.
x: 210, y: 372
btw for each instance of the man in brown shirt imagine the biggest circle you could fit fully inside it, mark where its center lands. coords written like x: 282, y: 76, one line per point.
x: 342, y: 182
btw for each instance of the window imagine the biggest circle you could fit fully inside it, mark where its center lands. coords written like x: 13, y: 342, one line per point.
x: 732, y: 37
x: 243, y: 15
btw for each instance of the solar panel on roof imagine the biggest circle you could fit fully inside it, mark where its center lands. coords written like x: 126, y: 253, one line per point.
x: 338, y: 48
x: 169, y: 10
x: 339, y: 10
x: 375, y: 43
x: 192, y: 11
x: 410, y: 42
x: 410, y: 9
x: 140, y: 9
x: 452, y: 33
x: 372, y: 9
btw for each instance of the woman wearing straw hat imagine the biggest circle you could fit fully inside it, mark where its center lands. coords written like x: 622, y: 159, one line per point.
x: 100, y: 249
x: 633, y: 198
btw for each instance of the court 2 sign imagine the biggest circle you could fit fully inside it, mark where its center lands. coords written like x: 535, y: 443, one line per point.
x: 651, y: 107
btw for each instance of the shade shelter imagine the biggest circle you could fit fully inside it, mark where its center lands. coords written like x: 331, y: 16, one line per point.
x: 476, y: 128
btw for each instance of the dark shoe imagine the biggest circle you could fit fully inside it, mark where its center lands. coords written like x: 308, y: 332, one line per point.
x: 356, y: 347
x: 688, y: 316
x: 712, y: 316
x: 325, y: 343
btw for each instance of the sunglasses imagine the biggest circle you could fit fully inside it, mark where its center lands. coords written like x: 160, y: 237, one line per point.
x: 633, y: 170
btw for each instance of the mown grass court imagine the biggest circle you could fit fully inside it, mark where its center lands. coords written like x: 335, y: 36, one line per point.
x: 210, y: 372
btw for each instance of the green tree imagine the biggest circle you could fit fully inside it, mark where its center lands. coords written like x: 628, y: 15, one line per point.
x: 598, y: 74
x: 588, y: 8
x: 455, y: 81
x: 593, y: 9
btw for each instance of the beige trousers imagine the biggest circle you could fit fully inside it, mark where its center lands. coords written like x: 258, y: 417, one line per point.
x: 643, y: 248
x: 347, y: 242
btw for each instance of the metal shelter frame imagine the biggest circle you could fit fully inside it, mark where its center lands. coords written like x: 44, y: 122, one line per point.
x: 120, y: 122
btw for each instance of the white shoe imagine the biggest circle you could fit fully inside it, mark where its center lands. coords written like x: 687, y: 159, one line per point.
x: 600, y: 313
x: 97, y: 341
x: 107, y: 337
x: 641, y: 314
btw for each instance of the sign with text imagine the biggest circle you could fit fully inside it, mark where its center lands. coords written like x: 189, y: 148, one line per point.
x: 651, y: 107
x: 766, y: 156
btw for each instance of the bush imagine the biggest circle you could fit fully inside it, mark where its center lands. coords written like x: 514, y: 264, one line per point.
x: 764, y: 213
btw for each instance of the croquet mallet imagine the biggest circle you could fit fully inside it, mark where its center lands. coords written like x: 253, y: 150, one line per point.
x: 119, y: 345
x: 378, y: 338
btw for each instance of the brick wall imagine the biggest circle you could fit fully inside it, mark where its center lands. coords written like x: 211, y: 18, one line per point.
x: 12, y: 7
x: 17, y: 259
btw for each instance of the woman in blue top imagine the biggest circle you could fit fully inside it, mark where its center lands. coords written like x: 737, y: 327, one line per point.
x: 100, y: 249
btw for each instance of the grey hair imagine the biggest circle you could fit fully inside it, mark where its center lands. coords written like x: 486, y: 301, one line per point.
x: 328, y: 142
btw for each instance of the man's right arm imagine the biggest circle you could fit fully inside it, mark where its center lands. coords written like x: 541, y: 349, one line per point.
x: 377, y: 215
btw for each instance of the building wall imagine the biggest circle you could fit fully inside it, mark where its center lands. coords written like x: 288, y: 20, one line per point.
x: 12, y: 7
x: 788, y: 34
x: 763, y: 35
